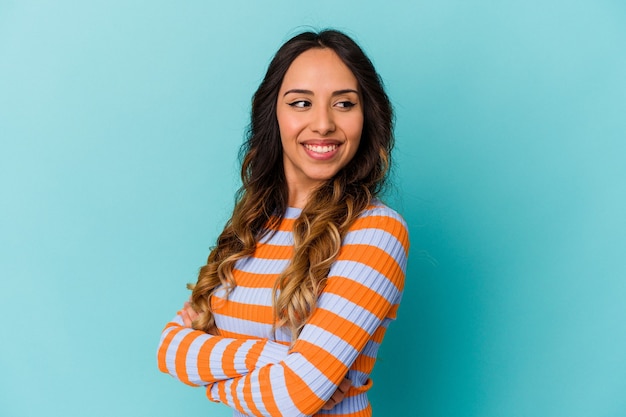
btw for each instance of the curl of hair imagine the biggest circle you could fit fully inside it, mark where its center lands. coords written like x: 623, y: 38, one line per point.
x: 263, y: 197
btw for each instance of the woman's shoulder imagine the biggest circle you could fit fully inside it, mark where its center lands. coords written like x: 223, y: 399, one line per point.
x: 382, y: 217
x: 382, y: 211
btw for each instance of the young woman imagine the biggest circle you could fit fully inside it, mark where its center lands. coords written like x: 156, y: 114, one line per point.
x: 288, y: 313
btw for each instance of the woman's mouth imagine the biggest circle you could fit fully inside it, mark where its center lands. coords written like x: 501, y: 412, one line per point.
x: 321, y: 151
x: 320, y: 148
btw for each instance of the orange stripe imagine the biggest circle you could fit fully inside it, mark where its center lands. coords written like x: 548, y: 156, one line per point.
x: 244, y: 311
x: 171, y: 324
x: 247, y: 395
x: 388, y: 224
x: 286, y: 225
x: 208, y: 393
x: 273, y: 252
x: 233, y: 392
x: 303, y: 397
x: 364, y: 364
x: 221, y: 391
x: 165, y: 345
x: 393, y: 311
x: 345, y: 329
x: 181, y: 356
x: 253, y: 355
x: 368, y: 384
x: 252, y: 280
x: 359, y: 294
x: 235, y: 335
x: 325, y: 362
x: 267, y: 394
x: 228, y: 359
x: 378, y: 335
x: 366, y: 412
x: 204, y: 355
x: 375, y: 258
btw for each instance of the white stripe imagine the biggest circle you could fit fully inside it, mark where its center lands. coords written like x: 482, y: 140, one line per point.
x: 358, y: 378
x: 292, y: 213
x: 279, y: 390
x: 384, y: 211
x: 367, y: 276
x: 371, y: 349
x: 251, y: 328
x: 352, y: 312
x: 241, y: 354
x: 316, y: 380
x: 212, y: 393
x: 239, y: 390
x: 330, y: 342
x: 228, y: 383
x: 257, y: 396
x: 350, y: 405
x: 261, y: 266
x: 252, y: 296
x: 272, y: 353
x: 378, y: 238
x: 191, y: 362
x: 280, y: 238
x: 244, y: 327
x: 170, y: 355
x: 215, y: 359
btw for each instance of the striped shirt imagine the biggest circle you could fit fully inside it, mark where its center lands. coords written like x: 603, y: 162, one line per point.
x: 254, y: 370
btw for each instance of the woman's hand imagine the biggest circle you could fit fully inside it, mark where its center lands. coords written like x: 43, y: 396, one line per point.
x: 188, y: 314
x: 337, y: 397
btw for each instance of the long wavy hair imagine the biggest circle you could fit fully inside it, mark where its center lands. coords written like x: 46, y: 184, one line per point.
x: 263, y: 197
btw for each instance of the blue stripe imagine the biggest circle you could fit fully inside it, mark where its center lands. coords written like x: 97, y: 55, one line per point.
x: 262, y: 266
x: 367, y: 276
x: 280, y: 238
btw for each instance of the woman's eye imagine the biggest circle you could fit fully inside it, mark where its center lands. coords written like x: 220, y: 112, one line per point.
x: 300, y: 104
x: 346, y: 104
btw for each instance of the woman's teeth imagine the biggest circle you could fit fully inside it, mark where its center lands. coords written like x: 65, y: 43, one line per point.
x: 321, y: 149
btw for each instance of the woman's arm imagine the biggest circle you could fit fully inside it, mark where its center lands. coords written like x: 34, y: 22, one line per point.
x: 363, y: 288
x: 198, y: 358
x: 188, y: 315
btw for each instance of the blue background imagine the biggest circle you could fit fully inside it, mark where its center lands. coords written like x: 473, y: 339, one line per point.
x: 120, y: 123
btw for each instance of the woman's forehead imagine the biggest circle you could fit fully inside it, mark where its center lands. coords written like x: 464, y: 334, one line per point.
x: 319, y: 69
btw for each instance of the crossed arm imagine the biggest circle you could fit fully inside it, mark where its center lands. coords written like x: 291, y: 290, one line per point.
x: 261, y: 377
x: 245, y: 356
x: 188, y: 315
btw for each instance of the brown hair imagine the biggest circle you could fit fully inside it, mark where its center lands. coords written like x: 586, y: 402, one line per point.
x: 331, y: 208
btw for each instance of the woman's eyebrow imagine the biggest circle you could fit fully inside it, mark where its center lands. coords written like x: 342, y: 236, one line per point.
x: 311, y: 93
x: 346, y: 91
x: 298, y: 91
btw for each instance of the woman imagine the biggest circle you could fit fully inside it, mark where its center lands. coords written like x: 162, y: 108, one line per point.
x: 294, y: 300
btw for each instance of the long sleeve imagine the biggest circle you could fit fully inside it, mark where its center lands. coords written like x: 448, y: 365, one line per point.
x: 197, y: 358
x: 362, y: 294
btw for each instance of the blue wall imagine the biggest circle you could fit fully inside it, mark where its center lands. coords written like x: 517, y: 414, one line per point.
x: 119, y: 126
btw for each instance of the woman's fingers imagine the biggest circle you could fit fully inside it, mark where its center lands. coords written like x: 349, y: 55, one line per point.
x: 329, y: 404
x: 338, y: 395
x: 186, y: 319
x: 190, y: 311
x: 188, y: 314
x: 345, y: 385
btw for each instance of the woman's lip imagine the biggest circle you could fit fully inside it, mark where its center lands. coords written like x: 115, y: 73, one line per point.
x: 321, y: 142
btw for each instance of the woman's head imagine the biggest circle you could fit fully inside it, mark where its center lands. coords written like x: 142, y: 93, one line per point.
x: 365, y: 162
x: 333, y: 102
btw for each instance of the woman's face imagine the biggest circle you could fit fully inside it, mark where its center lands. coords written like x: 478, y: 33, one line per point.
x: 320, y: 117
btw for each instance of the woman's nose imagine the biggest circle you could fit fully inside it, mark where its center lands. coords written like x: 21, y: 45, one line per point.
x: 323, y: 122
